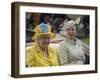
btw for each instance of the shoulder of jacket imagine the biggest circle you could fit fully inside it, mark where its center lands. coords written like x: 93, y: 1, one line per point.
x: 51, y: 48
x: 79, y: 41
x: 63, y: 43
x: 29, y: 49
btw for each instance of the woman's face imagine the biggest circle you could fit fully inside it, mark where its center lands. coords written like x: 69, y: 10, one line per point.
x: 71, y: 32
x: 44, y: 41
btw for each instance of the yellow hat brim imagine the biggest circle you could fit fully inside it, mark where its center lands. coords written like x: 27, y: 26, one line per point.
x: 35, y: 36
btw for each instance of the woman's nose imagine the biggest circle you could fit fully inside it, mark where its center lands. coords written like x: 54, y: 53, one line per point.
x: 46, y: 39
x: 70, y: 31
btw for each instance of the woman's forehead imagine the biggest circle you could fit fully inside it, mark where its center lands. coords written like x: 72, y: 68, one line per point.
x: 71, y: 27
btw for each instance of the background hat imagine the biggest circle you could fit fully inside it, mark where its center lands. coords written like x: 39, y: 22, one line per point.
x: 42, y: 29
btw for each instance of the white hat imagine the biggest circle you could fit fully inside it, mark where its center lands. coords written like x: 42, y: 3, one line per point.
x: 68, y: 24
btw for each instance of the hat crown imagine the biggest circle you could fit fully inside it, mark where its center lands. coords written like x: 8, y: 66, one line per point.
x: 43, y: 27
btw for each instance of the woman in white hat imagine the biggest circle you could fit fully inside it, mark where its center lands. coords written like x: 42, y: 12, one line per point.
x: 71, y: 50
x: 41, y: 54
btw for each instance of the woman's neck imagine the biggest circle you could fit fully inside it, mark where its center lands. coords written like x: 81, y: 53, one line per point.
x: 44, y: 50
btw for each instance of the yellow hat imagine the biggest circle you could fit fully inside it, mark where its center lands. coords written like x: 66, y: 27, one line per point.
x: 42, y: 29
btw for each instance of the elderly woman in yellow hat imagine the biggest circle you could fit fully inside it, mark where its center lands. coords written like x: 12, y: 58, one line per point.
x: 71, y: 50
x: 41, y: 54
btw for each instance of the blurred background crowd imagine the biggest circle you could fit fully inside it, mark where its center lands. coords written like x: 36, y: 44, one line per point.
x: 56, y: 22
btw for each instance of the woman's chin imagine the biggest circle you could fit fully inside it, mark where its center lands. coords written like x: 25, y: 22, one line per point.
x: 72, y: 38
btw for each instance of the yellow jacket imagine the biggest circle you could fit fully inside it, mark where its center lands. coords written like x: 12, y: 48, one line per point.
x: 35, y: 57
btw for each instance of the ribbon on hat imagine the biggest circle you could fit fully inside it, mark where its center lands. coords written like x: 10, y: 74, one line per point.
x: 43, y: 27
